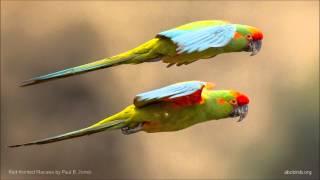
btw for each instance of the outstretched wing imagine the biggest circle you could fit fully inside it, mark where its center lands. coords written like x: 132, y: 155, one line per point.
x: 185, y: 93
x: 201, y: 38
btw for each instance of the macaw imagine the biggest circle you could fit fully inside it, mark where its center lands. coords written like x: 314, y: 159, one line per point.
x: 170, y: 108
x: 181, y: 45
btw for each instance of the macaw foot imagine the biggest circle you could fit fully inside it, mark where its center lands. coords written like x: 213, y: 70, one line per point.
x: 127, y: 130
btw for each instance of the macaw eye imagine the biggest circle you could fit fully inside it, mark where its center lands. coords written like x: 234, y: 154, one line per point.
x: 233, y: 102
x: 249, y: 37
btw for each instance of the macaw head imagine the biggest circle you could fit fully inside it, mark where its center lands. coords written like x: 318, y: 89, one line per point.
x: 229, y: 103
x: 239, y: 103
x: 248, y: 39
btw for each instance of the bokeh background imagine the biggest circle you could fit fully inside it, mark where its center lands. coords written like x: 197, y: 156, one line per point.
x: 280, y: 133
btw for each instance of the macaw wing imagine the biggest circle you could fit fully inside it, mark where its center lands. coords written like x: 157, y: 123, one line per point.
x: 201, y: 39
x: 186, y: 93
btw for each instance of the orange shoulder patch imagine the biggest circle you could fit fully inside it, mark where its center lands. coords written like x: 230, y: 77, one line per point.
x: 221, y: 101
x: 237, y: 35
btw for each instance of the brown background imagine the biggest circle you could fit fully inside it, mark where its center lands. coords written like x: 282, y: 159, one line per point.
x: 280, y: 133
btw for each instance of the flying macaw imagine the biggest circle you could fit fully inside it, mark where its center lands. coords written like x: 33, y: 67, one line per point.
x: 181, y: 45
x: 170, y: 108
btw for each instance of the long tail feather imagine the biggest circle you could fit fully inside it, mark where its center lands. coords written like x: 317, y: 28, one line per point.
x: 147, y: 52
x: 104, y: 63
x: 86, y: 131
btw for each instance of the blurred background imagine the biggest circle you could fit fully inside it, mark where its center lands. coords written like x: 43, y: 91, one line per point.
x: 280, y: 133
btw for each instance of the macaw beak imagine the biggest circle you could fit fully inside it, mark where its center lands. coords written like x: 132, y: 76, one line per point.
x: 240, y: 111
x: 254, y: 47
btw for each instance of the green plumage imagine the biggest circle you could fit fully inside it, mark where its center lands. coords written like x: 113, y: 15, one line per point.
x: 204, y: 39
x: 163, y: 116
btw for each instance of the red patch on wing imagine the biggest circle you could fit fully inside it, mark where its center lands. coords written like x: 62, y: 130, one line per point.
x: 242, y: 100
x: 194, y: 98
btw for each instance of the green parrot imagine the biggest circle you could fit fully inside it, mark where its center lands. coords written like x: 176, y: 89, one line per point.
x: 181, y: 45
x: 170, y: 108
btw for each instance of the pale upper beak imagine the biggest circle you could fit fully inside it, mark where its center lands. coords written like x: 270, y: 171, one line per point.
x: 240, y: 111
x: 254, y: 47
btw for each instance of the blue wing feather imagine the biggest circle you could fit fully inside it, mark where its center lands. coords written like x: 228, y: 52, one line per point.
x: 171, y: 92
x: 201, y: 39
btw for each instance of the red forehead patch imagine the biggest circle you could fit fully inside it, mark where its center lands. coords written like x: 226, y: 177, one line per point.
x: 242, y: 100
x: 257, y: 35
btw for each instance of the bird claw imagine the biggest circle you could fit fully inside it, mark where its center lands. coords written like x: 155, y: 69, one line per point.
x: 127, y: 130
